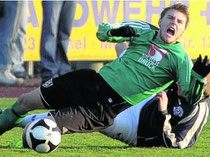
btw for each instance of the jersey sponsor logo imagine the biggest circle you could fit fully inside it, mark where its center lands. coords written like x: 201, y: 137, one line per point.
x: 48, y: 84
x: 156, y: 53
x: 153, y: 57
x: 178, y: 111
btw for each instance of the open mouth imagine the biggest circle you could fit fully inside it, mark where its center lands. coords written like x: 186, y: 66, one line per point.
x: 171, y: 31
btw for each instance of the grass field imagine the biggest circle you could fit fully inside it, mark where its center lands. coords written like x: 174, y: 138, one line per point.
x: 96, y: 144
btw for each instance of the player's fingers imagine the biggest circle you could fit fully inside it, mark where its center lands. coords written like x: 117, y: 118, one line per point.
x: 131, y: 31
x: 166, y: 90
x: 205, y: 61
x: 158, y: 95
x: 199, y: 58
x: 161, y: 94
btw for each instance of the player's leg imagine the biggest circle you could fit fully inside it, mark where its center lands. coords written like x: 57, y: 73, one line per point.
x: 29, y: 118
x: 91, y: 103
x: 83, y: 100
x: 126, y: 124
x: 82, y: 119
x: 57, y: 93
x: 75, y: 118
x: 14, y: 114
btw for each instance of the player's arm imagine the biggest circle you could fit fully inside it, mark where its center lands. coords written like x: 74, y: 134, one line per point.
x: 193, y: 90
x: 122, y: 31
x: 165, y: 129
x: 198, y: 82
x: 186, y: 132
x: 163, y: 102
x: 197, y: 88
x: 156, y: 120
x: 118, y: 32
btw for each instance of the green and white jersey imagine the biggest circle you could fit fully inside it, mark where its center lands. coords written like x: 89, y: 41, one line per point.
x: 148, y: 65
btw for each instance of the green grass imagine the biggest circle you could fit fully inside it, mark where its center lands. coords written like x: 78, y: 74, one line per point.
x: 96, y: 144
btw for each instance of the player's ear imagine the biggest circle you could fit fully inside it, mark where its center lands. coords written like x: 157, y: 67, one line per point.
x: 159, y: 22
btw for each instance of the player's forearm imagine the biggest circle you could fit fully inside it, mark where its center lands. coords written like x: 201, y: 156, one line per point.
x: 104, y: 33
x: 168, y: 136
x: 200, y: 70
x: 186, y: 132
x: 196, y: 88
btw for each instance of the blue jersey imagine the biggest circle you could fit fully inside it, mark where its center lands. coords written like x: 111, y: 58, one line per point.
x: 178, y: 128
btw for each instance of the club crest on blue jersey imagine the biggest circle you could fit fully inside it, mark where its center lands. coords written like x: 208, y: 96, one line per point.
x: 48, y: 84
x: 178, y: 111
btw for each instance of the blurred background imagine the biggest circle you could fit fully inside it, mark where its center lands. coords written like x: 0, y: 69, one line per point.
x: 84, y: 45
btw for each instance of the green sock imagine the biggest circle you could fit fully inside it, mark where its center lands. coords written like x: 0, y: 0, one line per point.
x: 10, y: 118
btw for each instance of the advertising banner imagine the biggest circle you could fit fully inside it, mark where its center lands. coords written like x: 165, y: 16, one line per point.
x: 83, y: 43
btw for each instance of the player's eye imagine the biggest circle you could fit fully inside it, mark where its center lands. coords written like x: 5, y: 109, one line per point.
x: 170, y: 17
x: 180, y: 21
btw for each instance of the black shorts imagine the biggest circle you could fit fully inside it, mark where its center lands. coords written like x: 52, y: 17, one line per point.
x: 83, y: 100
x: 74, y: 88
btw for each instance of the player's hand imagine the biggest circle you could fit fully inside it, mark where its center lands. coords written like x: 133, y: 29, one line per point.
x: 124, y: 31
x: 162, y: 96
x: 179, y: 90
x: 202, y: 67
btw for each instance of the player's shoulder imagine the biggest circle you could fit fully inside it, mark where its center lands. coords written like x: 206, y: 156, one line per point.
x: 140, y: 24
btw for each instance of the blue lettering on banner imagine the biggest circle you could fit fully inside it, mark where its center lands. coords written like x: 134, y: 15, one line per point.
x: 33, y: 18
x: 206, y: 13
x: 100, y: 11
x: 151, y: 10
x: 127, y: 10
x: 105, y: 7
x: 85, y: 13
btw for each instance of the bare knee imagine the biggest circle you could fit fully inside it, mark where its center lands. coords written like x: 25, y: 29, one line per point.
x: 23, y: 103
x: 30, y: 101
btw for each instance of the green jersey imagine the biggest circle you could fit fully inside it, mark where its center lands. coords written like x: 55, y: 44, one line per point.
x: 148, y: 65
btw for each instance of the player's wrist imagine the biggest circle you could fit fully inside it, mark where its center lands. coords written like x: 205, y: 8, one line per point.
x: 164, y: 112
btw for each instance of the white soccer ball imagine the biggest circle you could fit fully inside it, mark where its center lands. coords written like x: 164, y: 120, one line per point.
x: 42, y: 135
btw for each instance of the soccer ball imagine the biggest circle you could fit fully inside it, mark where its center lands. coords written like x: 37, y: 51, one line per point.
x: 42, y: 135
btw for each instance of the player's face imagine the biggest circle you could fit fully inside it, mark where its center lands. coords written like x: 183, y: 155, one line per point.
x: 172, y: 26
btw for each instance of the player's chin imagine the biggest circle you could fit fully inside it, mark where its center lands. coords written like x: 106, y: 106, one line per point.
x: 170, y: 41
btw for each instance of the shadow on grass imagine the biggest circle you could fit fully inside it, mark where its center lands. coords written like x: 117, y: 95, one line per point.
x: 13, y: 149
x: 75, y: 147
x: 4, y: 147
x: 104, y: 147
